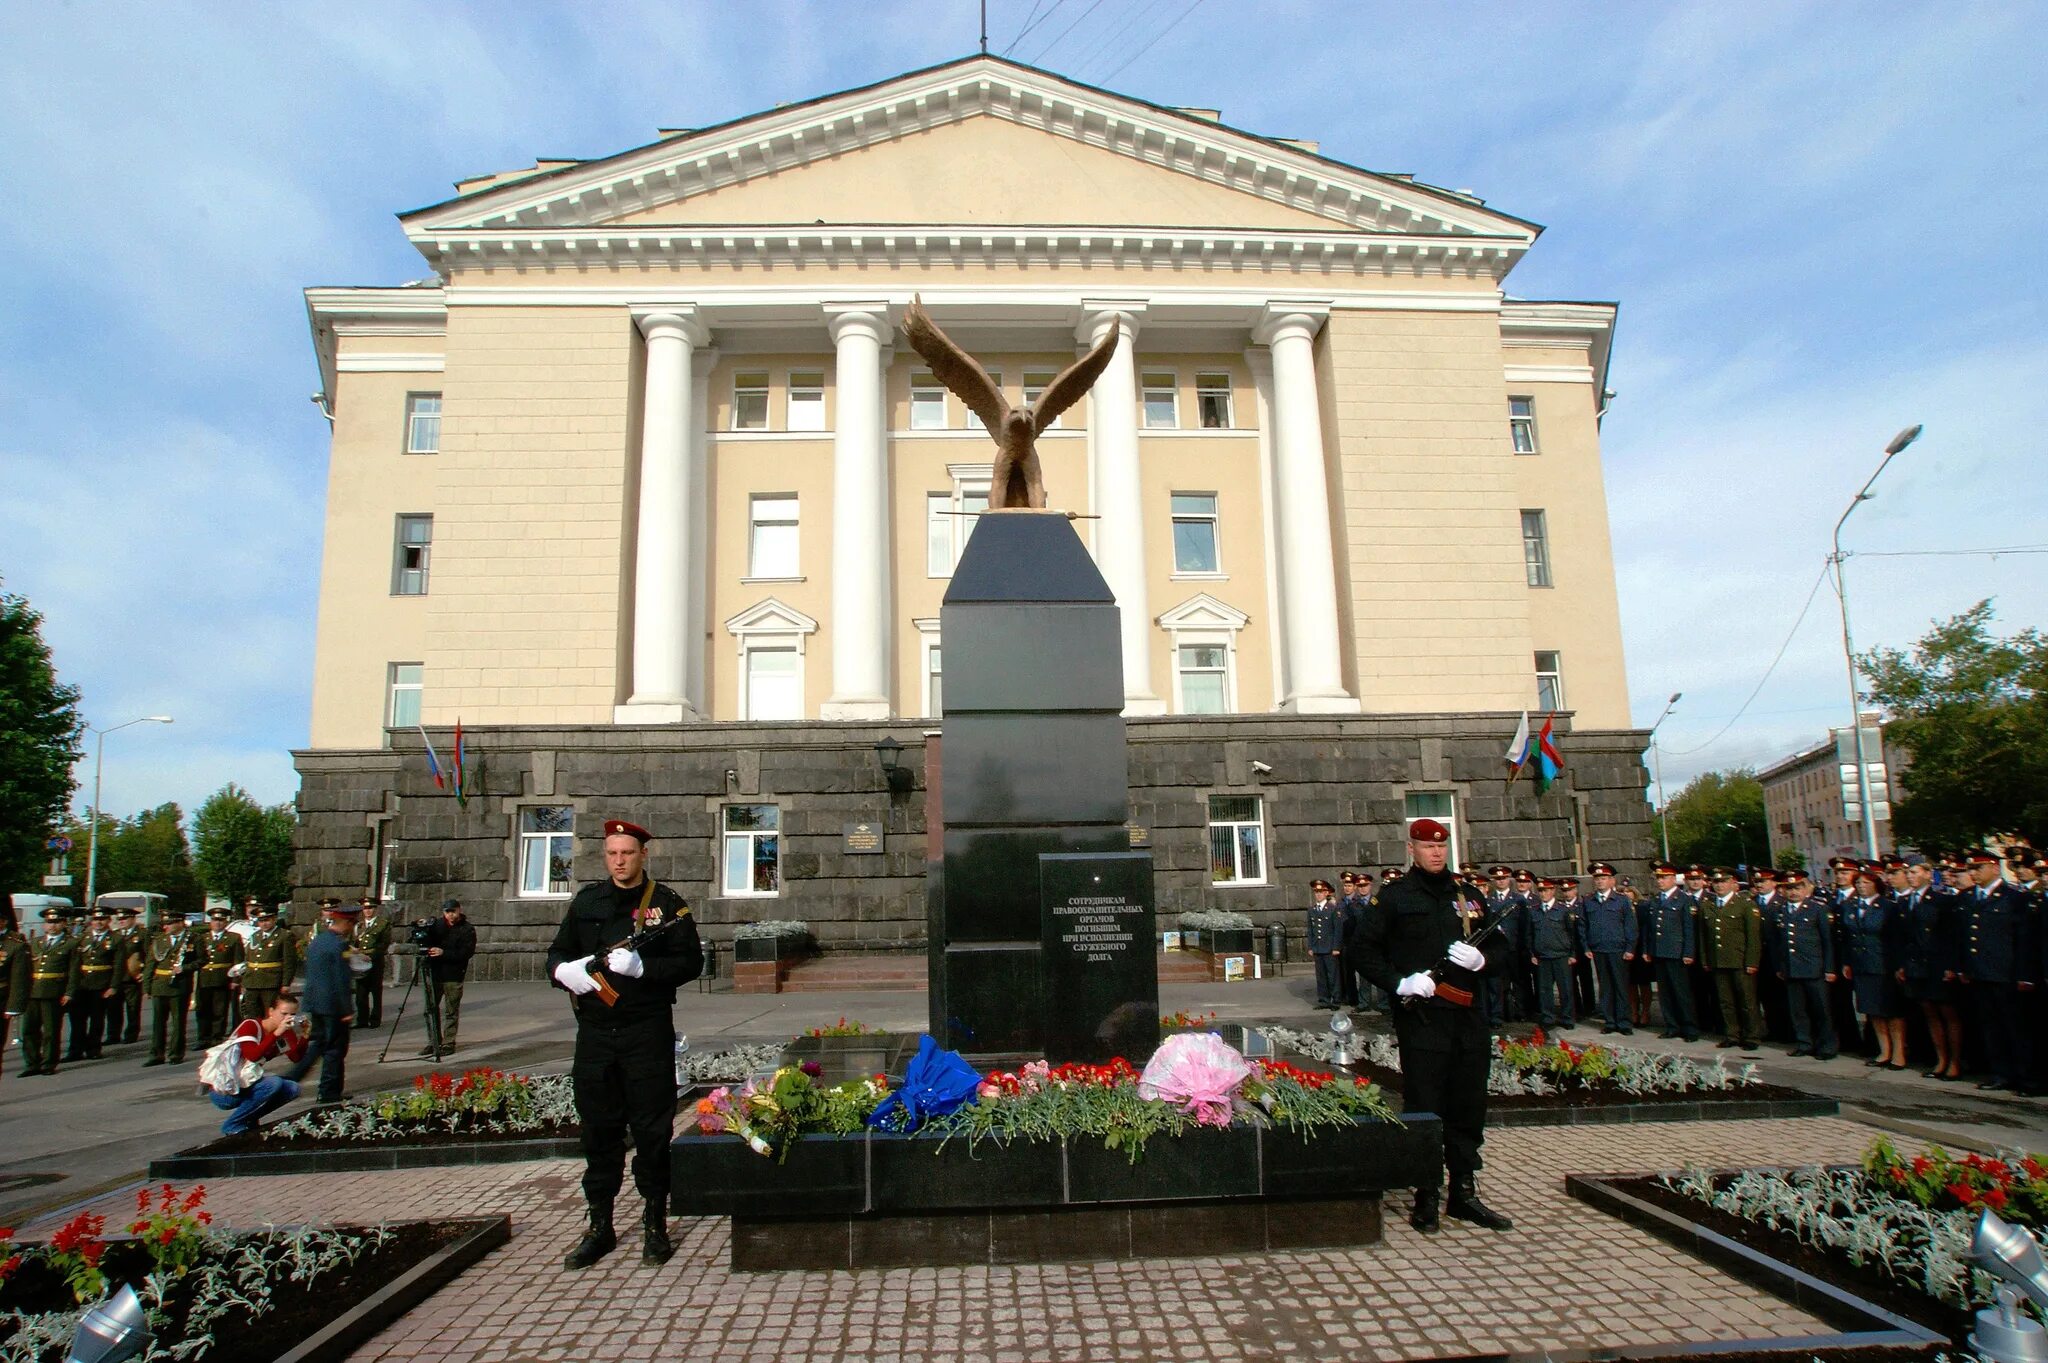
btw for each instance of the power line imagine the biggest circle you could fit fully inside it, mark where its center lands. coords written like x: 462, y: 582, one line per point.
x: 1192, y: 7
x: 1030, y: 22
x: 1767, y: 671
x: 1116, y: 35
x: 1949, y: 553
x: 1039, y: 60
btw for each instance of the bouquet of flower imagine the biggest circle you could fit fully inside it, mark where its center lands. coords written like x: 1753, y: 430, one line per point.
x: 770, y: 1113
x: 1197, y: 1072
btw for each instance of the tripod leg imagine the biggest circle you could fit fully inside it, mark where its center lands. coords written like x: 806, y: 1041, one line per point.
x: 402, y: 1002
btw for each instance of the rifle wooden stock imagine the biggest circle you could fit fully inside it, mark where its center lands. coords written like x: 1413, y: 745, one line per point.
x: 1451, y: 993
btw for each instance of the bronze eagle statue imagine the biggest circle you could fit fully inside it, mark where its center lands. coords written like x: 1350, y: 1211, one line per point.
x: 1019, y: 481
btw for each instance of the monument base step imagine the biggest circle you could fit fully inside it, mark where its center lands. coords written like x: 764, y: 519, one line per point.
x: 867, y: 971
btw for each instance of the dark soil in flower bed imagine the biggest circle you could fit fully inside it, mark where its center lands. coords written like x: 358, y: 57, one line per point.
x: 298, y: 1312
x: 255, y: 1143
x: 1834, y: 1267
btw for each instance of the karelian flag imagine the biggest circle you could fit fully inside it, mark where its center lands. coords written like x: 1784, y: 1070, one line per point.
x: 461, y: 793
x: 1549, y: 761
x: 1518, y: 749
x: 433, y: 759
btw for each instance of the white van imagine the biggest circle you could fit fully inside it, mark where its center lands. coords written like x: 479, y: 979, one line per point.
x: 148, y: 905
x: 30, y: 908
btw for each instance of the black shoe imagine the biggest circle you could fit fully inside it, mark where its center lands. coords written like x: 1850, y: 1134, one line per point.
x: 27, y: 1074
x: 1465, y: 1205
x: 1995, y: 1086
x: 1668, y: 1036
x: 655, y: 1248
x: 1748, y: 1045
x: 424, y: 1051
x: 598, y: 1240
x: 1609, y: 1031
x: 1689, y: 1036
x: 1802, y: 1050
x: 1825, y: 1055
x: 1425, y: 1218
x: 1628, y: 1031
x: 153, y: 1060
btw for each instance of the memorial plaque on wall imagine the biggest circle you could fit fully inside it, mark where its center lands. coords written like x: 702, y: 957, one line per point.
x: 1100, y: 973
x: 861, y: 839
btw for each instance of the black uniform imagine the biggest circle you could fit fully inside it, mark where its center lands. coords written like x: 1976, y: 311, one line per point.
x: 1446, y: 1049
x: 624, y: 1071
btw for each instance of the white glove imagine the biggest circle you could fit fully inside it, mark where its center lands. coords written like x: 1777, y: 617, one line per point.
x: 1466, y: 955
x: 624, y: 962
x: 1417, y: 986
x: 574, y: 976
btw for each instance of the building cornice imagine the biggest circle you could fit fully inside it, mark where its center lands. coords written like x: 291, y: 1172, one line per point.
x: 334, y: 312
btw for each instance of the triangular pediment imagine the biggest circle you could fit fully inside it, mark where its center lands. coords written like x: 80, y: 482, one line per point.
x: 771, y: 617
x: 1203, y: 611
x: 978, y: 142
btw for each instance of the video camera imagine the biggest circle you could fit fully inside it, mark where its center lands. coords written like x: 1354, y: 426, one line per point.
x: 417, y: 931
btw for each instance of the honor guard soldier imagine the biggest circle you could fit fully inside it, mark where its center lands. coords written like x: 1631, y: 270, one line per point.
x: 1731, y: 942
x: 1611, y: 936
x: 53, y: 978
x: 269, y: 961
x: 623, y: 1074
x: 371, y: 942
x: 1554, y: 945
x: 1427, y: 942
x: 167, y: 976
x: 1670, y: 943
x: 98, y: 956
x: 1992, y: 964
x: 124, y: 1017
x: 213, y: 992
x: 1801, y: 952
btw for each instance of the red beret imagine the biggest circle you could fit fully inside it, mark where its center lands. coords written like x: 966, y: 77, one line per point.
x: 614, y: 827
x: 1428, y: 830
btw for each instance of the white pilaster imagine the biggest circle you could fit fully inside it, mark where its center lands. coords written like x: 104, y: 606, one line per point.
x: 697, y: 622
x: 1119, y: 493
x: 666, y: 543
x: 1308, y: 570
x: 860, y: 517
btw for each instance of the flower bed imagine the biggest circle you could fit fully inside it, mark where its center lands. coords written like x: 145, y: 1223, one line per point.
x: 229, y: 1295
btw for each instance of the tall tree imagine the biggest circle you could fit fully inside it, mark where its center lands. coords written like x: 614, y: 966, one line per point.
x: 41, y: 738
x: 146, y: 852
x: 243, y: 848
x: 1718, y: 819
x: 1971, y: 710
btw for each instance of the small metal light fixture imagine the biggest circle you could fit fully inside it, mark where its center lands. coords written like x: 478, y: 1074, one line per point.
x: 2004, y: 1333
x: 890, y: 754
x: 1341, y: 1028
x: 111, y: 1331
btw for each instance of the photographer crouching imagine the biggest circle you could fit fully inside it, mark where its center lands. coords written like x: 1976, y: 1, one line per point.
x: 233, y: 1070
x: 449, y: 942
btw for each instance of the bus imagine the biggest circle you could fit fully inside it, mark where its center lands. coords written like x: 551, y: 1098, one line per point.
x: 30, y: 908
x: 146, y: 904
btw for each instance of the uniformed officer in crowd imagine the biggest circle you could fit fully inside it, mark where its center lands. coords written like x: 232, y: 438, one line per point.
x: 371, y: 942
x: 1503, y: 906
x: 53, y: 978
x: 1424, y: 931
x: 1731, y: 945
x: 1586, y: 998
x: 14, y: 968
x: 1325, y: 941
x: 87, y: 1012
x: 215, y: 982
x: 1554, y: 939
x: 1993, y: 964
x: 124, y: 1020
x: 1801, y: 953
x: 168, y: 969
x: 1871, y: 958
x: 1670, y: 944
x: 1611, y: 936
x: 1770, y: 990
x: 623, y: 1073
x: 269, y: 961
x: 1361, y: 992
x: 1927, y: 965
x: 2028, y: 867
x: 329, y: 998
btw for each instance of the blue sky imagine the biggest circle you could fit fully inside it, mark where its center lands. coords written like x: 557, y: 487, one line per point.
x: 1822, y: 223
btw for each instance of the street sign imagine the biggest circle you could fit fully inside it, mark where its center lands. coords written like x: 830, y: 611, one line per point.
x: 56, y: 882
x: 60, y: 843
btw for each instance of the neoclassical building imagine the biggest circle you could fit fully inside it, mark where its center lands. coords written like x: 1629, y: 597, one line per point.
x: 641, y: 487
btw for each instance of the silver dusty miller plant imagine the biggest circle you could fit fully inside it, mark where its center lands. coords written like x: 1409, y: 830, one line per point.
x: 1638, y: 1073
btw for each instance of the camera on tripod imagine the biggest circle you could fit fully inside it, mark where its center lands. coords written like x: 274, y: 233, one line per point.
x: 417, y: 931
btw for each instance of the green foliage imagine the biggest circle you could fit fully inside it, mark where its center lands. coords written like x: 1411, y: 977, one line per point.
x: 1790, y: 859
x: 41, y: 738
x: 1972, y: 711
x: 1700, y: 814
x: 146, y: 852
x: 243, y: 848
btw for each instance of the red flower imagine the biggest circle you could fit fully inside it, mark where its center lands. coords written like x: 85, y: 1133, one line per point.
x: 1962, y: 1192
x: 2034, y: 1168
x: 1922, y: 1166
x: 166, y: 1235
x: 1995, y: 1199
x: 1898, y: 1174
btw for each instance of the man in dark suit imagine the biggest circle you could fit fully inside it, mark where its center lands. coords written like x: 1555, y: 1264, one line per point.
x: 1670, y: 943
x: 329, y: 998
x: 1994, y: 966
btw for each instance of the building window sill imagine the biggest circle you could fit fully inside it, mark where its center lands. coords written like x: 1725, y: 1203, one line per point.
x: 1200, y: 577
x: 753, y: 581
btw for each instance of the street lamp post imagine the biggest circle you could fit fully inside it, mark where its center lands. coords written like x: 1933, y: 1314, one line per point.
x: 1657, y: 756
x: 99, y: 757
x: 1899, y: 442
x: 1741, y: 840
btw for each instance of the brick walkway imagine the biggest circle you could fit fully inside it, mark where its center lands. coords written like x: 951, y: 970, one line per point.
x: 1566, y: 1276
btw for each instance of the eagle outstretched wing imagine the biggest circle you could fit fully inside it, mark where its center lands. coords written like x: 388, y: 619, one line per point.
x: 1074, y: 381
x: 955, y: 368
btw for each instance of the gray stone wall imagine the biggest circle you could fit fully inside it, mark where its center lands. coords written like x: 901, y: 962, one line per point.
x: 1334, y: 796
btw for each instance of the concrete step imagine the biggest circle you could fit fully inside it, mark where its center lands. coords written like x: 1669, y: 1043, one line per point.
x: 857, y: 972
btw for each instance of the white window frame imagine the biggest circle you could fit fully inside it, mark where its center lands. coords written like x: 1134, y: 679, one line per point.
x: 1213, y: 517
x: 971, y: 420
x: 1202, y: 620
x: 418, y: 420
x: 774, y: 510
x: 927, y: 403
x: 549, y: 837
x: 1555, y: 672
x: 1209, y: 386
x: 1148, y: 391
x: 392, y: 687
x: 1448, y: 819
x: 745, y: 394
x: 400, y: 586
x: 804, y: 404
x: 1182, y: 645
x: 949, y: 519
x: 1536, y: 548
x: 1036, y: 381
x: 930, y: 667
x: 1256, y: 822
x: 750, y: 836
x: 1522, y: 425
x: 769, y: 624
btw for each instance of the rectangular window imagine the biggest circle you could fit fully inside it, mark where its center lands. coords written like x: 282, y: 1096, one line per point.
x: 1549, y: 682
x: 974, y: 423
x: 806, y: 401
x: 750, y: 402
x: 1440, y: 805
x: 1194, y: 532
x: 1522, y: 424
x: 1204, y: 679
x: 771, y: 536
x: 547, y: 844
x: 1212, y: 401
x: 775, y: 684
x: 1161, y: 411
x: 1036, y: 381
x: 403, y: 710
x: 949, y: 519
x: 1536, y: 548
x: 753, y: 850
x: 423, y: 423
x: 934, y: 682
x: 1237, y: 840
x: 927, y: 403
x: 415, y: 543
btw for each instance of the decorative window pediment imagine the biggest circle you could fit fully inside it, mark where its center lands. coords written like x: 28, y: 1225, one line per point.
x: 772, y: 617
x: 1203, y: 612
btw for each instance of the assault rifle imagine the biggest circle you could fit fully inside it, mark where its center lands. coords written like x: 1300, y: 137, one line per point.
x: 1457, y: 993
x: 607, y: 993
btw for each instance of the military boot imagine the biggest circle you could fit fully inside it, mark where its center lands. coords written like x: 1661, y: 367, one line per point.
x: 598, y: 1240
x: 654, y: 1245
x: 1466, y: 1206
x: 1424, y: 1217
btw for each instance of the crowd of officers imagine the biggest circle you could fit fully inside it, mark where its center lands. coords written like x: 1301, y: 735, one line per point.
x: 1949, y: 946
x: 86, y: 978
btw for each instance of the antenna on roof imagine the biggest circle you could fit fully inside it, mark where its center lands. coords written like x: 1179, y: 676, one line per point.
x: 984, y: 28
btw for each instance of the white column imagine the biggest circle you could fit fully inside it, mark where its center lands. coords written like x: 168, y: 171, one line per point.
x: 664, y: 542
x: 860, y: 517
x: 697, y: 571
x: 1308, y: 569
x: 1119, y: 494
